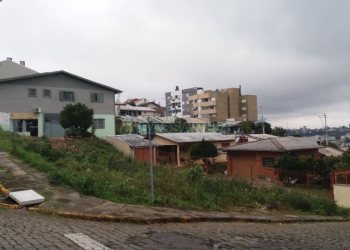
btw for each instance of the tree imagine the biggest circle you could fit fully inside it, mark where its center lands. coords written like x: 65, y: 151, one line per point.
x: 247, y: 127
x: 279, y: 131
x: 259, y: 128
x: 179, y: 126
x: 76, y: 119
x: 203, y: 150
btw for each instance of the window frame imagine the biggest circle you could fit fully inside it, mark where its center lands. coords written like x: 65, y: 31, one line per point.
x: 62, y: 99
x: 32, y: 95
x: 47, y: 96
x: 267, y: 158
x: 99, y: 97
x: 94, y: 122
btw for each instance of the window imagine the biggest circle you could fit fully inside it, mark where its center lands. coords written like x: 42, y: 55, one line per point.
x: 225, y: 144
x: 47, y: 93
x: 98, y: 123
x: 268, y: 161
x: 32, y: 92
x: 97, y: 97
x: 66, y: 96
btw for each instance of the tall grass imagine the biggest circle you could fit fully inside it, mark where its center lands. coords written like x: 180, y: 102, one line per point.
x: 94, y: 167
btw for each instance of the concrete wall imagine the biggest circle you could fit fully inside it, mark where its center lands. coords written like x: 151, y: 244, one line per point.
x: 14, y: 95
x: 342, y: 195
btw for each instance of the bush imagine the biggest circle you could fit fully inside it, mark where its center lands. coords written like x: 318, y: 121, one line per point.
x: 194, y: 174
x: 76, y: 119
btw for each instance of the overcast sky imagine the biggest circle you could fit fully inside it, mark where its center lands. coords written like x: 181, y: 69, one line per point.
x: 295, y: 55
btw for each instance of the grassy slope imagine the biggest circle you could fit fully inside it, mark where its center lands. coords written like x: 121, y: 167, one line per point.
x: 94, y: 167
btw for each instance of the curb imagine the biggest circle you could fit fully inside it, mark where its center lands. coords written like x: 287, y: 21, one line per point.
x: 184, y: 219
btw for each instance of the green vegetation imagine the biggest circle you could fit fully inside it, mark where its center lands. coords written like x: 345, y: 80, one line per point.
x: 76, y: 119
x: 298, y: 167
x: 204, y: 150
x: 94, y: 167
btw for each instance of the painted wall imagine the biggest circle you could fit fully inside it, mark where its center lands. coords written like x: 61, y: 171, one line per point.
x: 14, y: 95
x: 342, y: 195
x: 5, y: 121
x: 109, y: 125
x: 249, y: 164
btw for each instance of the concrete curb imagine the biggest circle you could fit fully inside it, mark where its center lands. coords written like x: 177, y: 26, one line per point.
x: 187, y: 219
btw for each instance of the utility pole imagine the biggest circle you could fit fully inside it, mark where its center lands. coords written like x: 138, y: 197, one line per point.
x: 150, y: 158
x: 262, y: 119
x: 325, y: 127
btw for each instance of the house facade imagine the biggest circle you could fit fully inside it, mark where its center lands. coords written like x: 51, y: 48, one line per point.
x: 30, y: 104
x: 174, y: 148
x: 254, y: 160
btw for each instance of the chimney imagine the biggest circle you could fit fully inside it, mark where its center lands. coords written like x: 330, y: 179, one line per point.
x: 22, y: 63
x: 176, y: 88
x: 240, y: 90
x: 9, y: 58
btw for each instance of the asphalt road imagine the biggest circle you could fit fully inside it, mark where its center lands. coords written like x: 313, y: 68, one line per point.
x: 20, y: 229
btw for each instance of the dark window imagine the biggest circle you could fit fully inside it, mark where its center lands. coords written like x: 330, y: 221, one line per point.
x: 225, y: 144
x: 47, y: 93
x: 98, y: 123
x: 66, y: 96
x: 32, y: 92
x: 97, y: 97
x: 268, y: 161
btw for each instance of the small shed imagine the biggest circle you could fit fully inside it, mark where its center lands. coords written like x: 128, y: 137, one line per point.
x: 135, y: 146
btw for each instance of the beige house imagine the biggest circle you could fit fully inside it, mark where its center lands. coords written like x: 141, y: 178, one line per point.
x: 220, y: 105
x: 174, y: 148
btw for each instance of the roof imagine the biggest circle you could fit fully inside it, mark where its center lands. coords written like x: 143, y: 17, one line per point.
x: 329, y: 151
x: 134, y: 140
x: 196, y: 120
x: 195, y: 137
x: 136, y: 108
x: 9, y: 69
x: 257, y: 137
x: 36, y: 75
x: 279, y: 144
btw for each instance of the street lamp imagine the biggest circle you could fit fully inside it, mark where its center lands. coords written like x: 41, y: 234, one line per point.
x: 150, y: 158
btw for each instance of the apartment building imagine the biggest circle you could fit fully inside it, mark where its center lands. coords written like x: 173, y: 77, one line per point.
x: 219, y: 105
x: 177, y: 102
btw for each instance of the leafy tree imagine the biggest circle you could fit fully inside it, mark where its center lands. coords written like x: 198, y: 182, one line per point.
x: 203, y: 150
x: 76, y: 119
x: 259, y: 128
x: 247, y: 127
x: 279, y: 131
x: 179, y: 126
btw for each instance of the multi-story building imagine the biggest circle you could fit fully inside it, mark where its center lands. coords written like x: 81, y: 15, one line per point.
x: 220, y: 105
x: 177, y: 102
x: 31, y: 102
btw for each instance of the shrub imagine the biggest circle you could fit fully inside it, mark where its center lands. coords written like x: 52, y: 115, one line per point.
x: 194, y: 174
x: 76, y: 119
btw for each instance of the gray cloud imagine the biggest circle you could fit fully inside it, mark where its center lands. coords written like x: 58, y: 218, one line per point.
x: 292, y: 54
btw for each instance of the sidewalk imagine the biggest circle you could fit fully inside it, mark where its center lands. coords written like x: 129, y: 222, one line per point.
x: 16, y: 175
